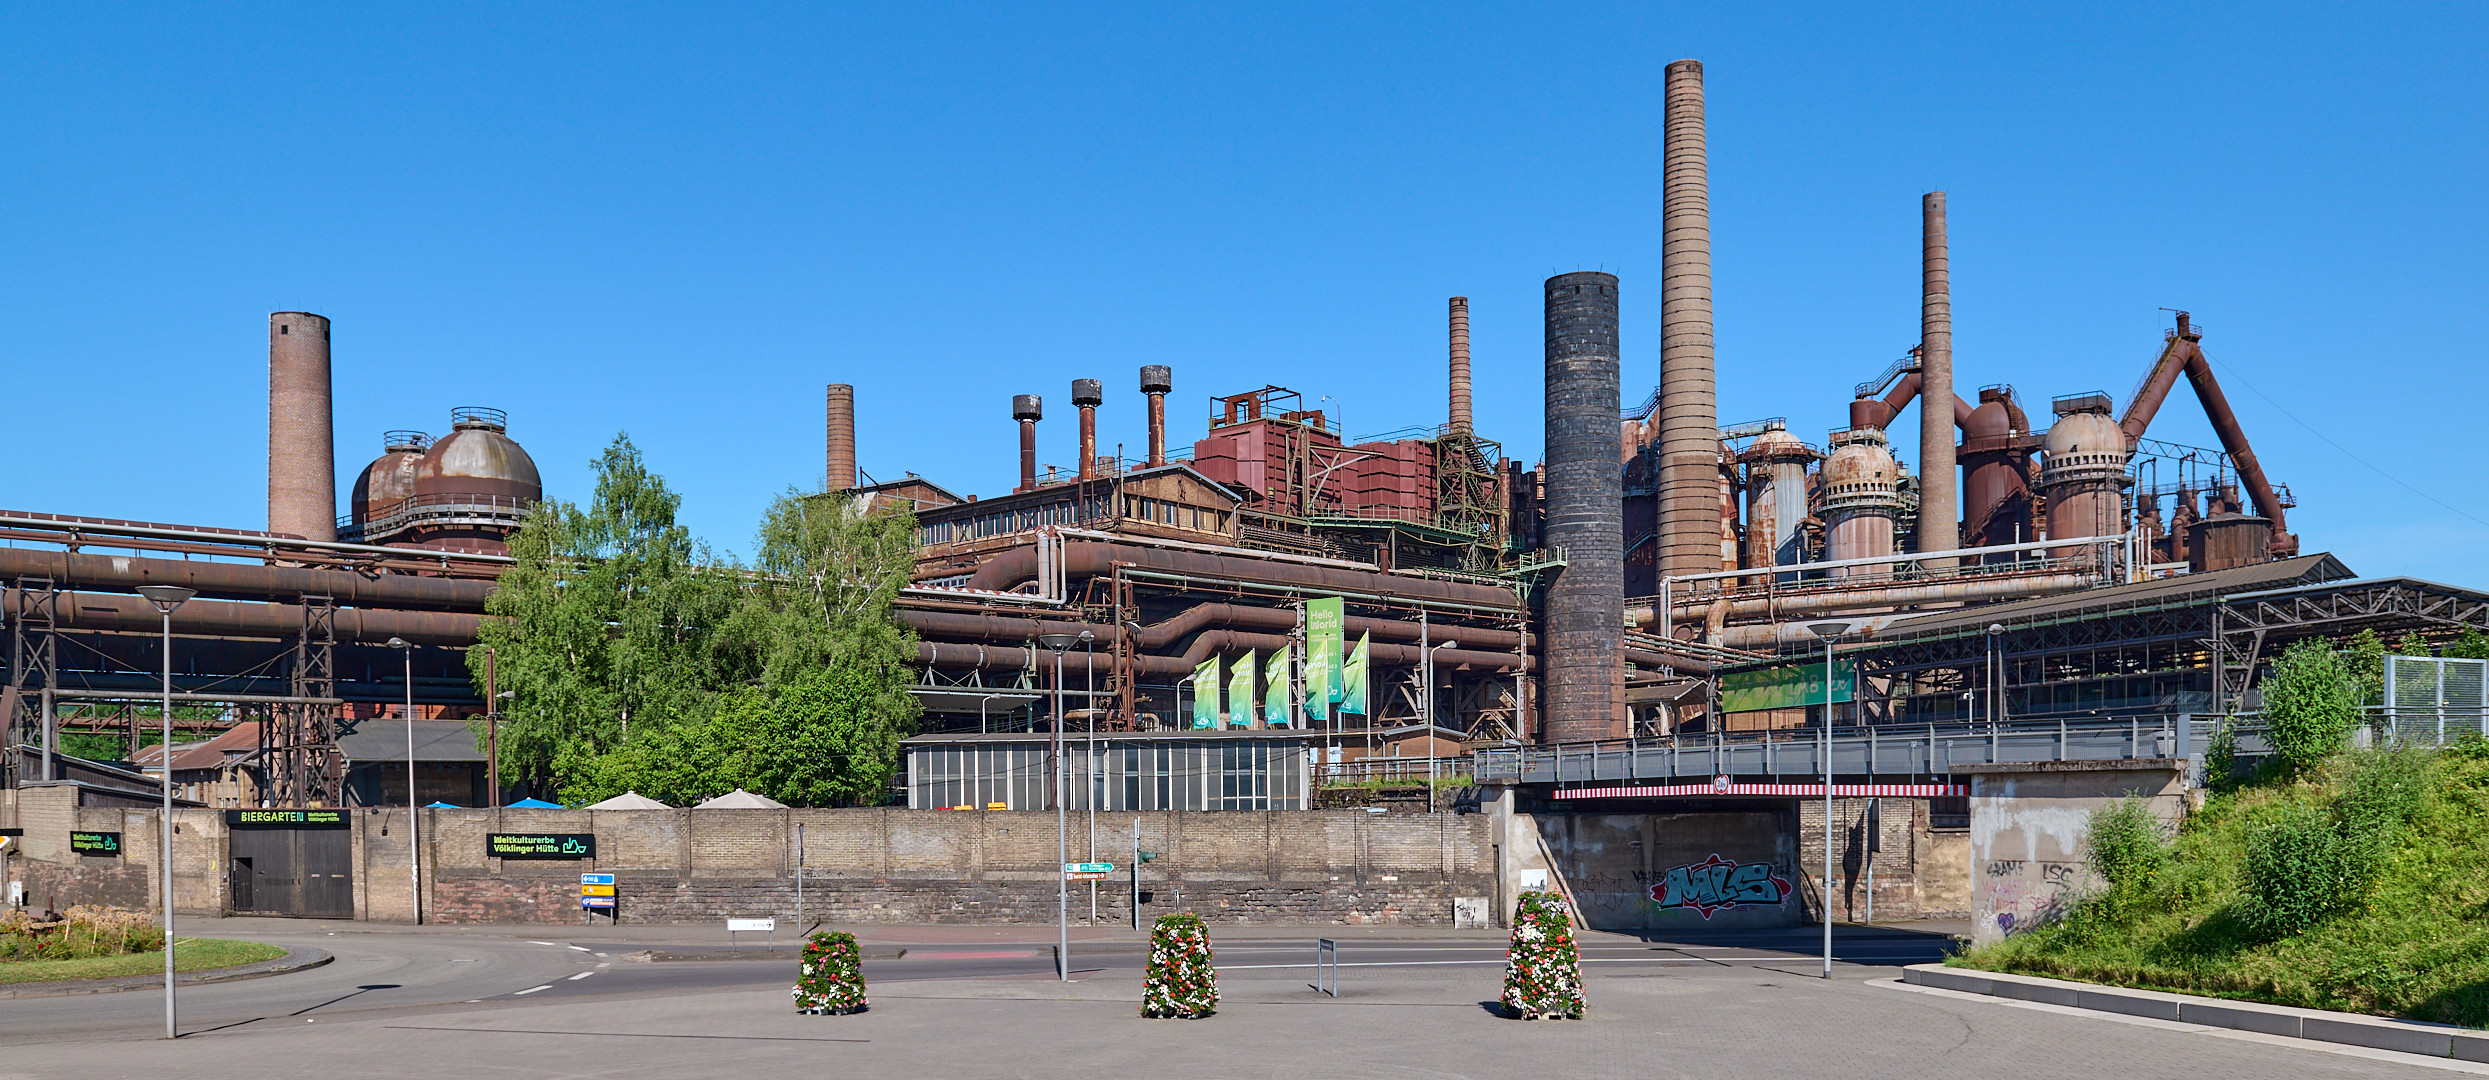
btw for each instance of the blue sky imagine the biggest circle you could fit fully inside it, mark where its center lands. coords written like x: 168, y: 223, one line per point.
x: 680, y: 221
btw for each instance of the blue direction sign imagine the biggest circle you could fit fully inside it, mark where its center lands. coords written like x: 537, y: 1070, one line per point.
x: 596, y: 879
x: 596, y: 901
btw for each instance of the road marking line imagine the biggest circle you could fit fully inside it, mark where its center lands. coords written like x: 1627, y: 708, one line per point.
x: 581, y: 975
x: 582, y: 948
x: 533, y: 942
x: 532, y: 989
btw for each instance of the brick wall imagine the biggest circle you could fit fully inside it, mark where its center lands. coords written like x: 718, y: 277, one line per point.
x: 895, y: 865
x: 1919, y: 873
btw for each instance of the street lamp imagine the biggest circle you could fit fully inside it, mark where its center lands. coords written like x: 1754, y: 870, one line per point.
x: 1062, y: 824
x: 1996, y: 673
x: 492, y: 744
x: 414, y: 831
x: 1428, y: 701
x: 166, y: 598
x: 1828, y: 631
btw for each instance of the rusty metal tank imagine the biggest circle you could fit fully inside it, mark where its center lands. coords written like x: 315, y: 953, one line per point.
x: 477, y: 457
x: 1862, y: 498
x: 2083, y: 470
x: 1995, y: 455
x: 1776, y: 464
x: 2228, y: 539
x: 387, y: 481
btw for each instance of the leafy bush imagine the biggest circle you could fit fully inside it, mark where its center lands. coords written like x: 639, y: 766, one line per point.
x: 2128, y: 847
x: 2311, y: 701
x: 2301, y: 870
x: 1543, y: 970
x: 1181, y: 981
x: 85, y: 932
x: 2381, y: 792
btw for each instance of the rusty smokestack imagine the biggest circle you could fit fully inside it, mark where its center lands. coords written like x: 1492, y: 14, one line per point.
x: 302, y: 454
x: 1940, y: 513
x: 1027, y: 409
x: 1689, y: 421
x: 1460, y: 365
x: 1156, y: 381
x: 1087, y: 395
x: 1584, y: 671
x: 840, y: 414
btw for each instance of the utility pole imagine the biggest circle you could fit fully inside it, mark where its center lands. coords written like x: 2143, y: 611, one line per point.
x: 1828, y: 631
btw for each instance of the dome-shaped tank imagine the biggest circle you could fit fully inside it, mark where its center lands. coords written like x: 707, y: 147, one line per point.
x: 389, y: 479
x: 477, y: 458
x: 2083, y: 471
x: 1862, y: 497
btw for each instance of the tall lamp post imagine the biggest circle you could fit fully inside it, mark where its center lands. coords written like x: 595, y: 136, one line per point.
x: 1062, y: 823
x: 1427, y: 701
x: 1996, y: 676
x: 1829, y: 631
x: 166, y: 598
x: 414, y: 831
x: 492, y: 745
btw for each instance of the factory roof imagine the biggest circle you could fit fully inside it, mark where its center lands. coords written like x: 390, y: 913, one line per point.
x: 385, y: 740
x: 2180, y: 590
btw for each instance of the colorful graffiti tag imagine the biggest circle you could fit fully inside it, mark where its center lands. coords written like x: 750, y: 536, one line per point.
x: 1716, y: 884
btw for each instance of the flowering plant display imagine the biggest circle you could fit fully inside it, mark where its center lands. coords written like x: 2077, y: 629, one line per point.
x: 1180, y: 983
x: 1543, y: 971
x: 831, y: 980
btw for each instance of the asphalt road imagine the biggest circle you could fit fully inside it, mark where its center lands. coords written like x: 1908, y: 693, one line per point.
x: 382, y: 971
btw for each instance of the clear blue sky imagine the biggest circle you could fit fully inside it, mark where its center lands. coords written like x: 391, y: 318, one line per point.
x: 680, y: 222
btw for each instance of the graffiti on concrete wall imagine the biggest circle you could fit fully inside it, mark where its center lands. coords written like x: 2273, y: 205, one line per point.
x: 2018, y: 903
x: 1716, y: 884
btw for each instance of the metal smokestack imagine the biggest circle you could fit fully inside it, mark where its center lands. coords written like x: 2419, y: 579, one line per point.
x: 1940, y: 515
x: 1027, y: 409
x: 1088, y: 394
x: 1585, y: 606
x: 1689, y: 420
x: 840, y: 414
x: 1156, y: 381
x: 302, y: 455
x: 1460, y: 365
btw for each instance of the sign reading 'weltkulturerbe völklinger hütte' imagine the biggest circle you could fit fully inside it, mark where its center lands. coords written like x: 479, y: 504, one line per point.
x: 95, y: 843
x: 540, y: 845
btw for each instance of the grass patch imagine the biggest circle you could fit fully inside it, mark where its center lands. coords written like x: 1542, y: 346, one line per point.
x: 2359, y: 885
x: 194, y: 954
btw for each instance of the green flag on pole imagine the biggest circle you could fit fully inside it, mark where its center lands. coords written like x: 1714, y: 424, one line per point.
x: 1275, y: 690
x: 1353, y: 679
x: 1240, y: 693
x: 1323, y: 624
x: 1206, y: 695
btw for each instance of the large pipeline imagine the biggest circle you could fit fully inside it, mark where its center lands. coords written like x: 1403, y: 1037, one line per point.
x: 1213, y: 618
x: 243, y: 581
x: 1086, y: 558
x: 1875, y: 598
x: 110, y: 612
x: 1870, y: 412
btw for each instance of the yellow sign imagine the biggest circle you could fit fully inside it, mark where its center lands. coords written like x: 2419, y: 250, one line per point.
x: 596, y: 890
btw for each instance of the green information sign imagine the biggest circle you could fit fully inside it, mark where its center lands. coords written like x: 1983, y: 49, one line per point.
x: 1791, y: 687
x: 95, y: 843
x: 288, y: 819
x: 540, y: 845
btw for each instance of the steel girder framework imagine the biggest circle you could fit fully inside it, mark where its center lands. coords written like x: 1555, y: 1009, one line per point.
x: 2245, y: 626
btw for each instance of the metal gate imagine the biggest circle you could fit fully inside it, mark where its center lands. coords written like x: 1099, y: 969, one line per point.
x: 288, y: 871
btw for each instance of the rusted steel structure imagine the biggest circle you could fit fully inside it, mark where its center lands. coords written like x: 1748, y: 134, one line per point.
x: 465, y: 491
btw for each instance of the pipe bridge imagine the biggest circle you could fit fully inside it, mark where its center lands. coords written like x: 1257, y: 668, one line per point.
x: 1898, y: 751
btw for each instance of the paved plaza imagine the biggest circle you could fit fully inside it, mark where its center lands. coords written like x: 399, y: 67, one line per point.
x: 977, y: 1002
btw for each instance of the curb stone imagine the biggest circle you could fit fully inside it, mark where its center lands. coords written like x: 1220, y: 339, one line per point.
x: 2352, y: 1029
x: 294, y: 960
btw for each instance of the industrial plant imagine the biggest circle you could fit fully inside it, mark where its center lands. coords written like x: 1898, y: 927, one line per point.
x: 1661, y: 576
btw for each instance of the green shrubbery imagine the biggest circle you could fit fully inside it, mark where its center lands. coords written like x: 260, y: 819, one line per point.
x: 86, y: 932
x: 2311, y: 703
x: 2360, y: 883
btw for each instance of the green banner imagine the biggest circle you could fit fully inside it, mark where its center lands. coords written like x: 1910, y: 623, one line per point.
x: 1792, y: 687
x: 1240, y: 693
x: 1353, y: 679
x: 1275, y: 691
x: 1323, y: 624
x: 1206, y: 695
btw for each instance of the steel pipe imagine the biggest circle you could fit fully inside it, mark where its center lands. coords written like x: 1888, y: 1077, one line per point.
x: 242, y: 581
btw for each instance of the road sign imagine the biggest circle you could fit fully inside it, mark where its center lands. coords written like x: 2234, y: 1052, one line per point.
x: 596, y: 901
x: 1072, y: 876
x: 596, y: 879
x: 596, y: 890
x: 1088, y: 868
x: 755, y: 926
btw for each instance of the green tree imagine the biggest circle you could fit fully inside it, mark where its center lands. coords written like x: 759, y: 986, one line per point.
x: 611, y: 618
x: 2363, y: 654
x: 2311, y: 701
x: 2473, y: 645
x: 819, y: 719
